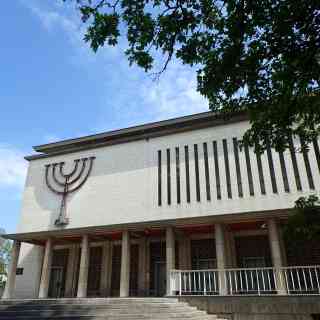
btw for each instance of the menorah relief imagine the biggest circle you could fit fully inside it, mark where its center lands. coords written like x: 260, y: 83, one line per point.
x: 63, y: 184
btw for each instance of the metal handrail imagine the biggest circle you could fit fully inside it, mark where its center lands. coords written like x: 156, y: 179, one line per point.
x: 241, y: 281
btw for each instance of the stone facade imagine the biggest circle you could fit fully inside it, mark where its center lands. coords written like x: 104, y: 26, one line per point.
x: 183, y: 199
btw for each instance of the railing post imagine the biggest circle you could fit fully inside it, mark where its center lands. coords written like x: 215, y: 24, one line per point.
x: 282, y: 288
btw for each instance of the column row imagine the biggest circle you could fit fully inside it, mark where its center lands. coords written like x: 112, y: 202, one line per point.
x: 221, y: 247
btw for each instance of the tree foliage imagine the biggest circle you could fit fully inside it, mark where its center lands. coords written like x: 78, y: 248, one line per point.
x: 5, y: 250
x: 262, y: 56
x: 304, y: 224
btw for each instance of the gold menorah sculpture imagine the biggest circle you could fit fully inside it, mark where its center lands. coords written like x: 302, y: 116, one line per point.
x: 63, y: 184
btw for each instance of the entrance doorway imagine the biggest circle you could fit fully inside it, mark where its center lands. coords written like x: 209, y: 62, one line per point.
x: 94, y: 272
x: 56, y: 282
x: 158, y: 268
x: 58, y: 273
x: 160, y: 278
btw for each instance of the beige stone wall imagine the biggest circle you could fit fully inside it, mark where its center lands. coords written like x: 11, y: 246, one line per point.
x: 123, y: 185
x: 258, y: 308
x: 27, y: 284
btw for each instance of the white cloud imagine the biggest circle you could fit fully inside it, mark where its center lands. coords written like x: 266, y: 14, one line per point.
x: 13, y: 167
x: 130, y: 96
x: 175, y: 93
x: 52, y: 17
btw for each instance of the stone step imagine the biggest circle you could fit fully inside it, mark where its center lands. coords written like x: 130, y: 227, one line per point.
x: 101, y: 308
x: 116, y: 317
x: 151, y: 308
x: 111, y: 316
x: 92, y: 301
x: 130, y: 311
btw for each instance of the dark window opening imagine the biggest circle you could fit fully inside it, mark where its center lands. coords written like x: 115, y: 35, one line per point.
x: 178, y: 175
x: 271, y: 169
x: 206, y: 170
x: 186, y: 153
x: 216, y: 169
x: 226, y: 162
x: 238, y: 169
x: 249, y: 169
x: 196, y: 164
x: 168, y: 177
x: 159, y: 179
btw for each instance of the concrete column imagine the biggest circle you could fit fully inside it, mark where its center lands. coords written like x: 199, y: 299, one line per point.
x: 71, y: 271
x: 147, y: 266
x: 275, y: 246
x: 221, y: 257
x: 125, y: 265
x: 84, y: 268
x: 142, y: 267
x: 11, y: 280
x: 39, y: 268
x: 106, y: 269
x: 276, y: 253
x: 170, y: 256
x: 46, y: 270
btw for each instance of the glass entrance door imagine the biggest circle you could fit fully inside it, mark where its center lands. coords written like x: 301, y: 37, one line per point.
x: 58, y: 273
x: 56, y: 282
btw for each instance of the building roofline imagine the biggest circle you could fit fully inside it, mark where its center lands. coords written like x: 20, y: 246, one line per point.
x: 149, y: 130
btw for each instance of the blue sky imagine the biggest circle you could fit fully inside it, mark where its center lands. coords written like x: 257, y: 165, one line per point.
x: 52, y: 87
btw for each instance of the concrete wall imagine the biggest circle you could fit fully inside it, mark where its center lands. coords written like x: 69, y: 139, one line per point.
x: 123, y: 185
x: 258, y: 308
x: 30, y: 259
x: 123, y: 188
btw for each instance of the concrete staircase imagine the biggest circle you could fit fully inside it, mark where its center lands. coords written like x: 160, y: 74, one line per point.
x: 101, y: 308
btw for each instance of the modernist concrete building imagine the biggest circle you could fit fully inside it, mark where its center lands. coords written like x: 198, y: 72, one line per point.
x: 175, y: 207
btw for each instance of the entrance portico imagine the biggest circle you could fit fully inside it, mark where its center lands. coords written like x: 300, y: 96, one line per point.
x: 140, y: 261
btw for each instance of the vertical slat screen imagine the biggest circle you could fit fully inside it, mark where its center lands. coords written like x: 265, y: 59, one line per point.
x: 261, y: 175
x: 271, y: 169
x: 168, y: 177
x: 226, y: 161
x: 249, y: 169
x: 316, y: 151
x: 206, y: 170
x: 284, y: 172
x: 186, y: 154
x: 216, y: 169
x: 238, y: 169
x: 295, y: 164
x: 196, y: 165
x: 307, y: 164
x: 159, y: 179
x: 178, y: 175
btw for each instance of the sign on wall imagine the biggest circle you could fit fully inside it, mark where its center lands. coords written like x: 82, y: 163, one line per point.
x: 63, y: 184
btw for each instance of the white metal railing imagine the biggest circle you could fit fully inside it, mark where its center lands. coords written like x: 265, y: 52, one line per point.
x: 247, y: 281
